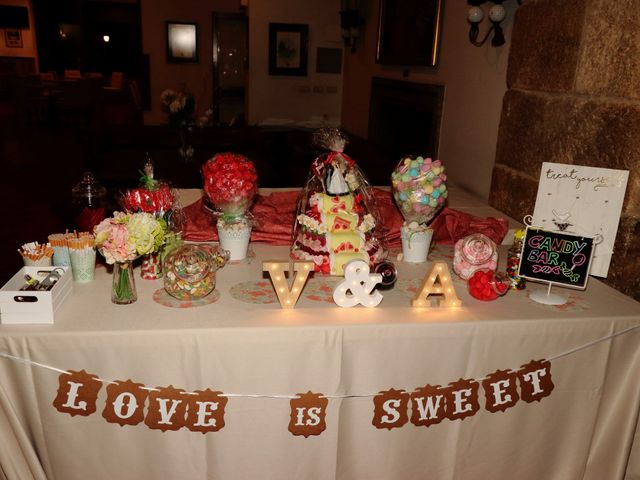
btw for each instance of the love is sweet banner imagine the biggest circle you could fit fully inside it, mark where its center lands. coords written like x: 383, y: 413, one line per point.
x: 170, y: 408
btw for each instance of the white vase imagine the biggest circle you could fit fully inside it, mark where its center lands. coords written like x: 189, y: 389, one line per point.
x: 415, y: 245
x: 234, y: 237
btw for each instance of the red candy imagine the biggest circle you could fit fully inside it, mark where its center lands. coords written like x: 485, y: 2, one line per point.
x: 158, y: 200
x: 487, y: 285
x: 230, y: 182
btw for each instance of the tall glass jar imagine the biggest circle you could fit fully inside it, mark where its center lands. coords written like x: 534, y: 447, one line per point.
x: 513, y: 261
x: 89, y: 200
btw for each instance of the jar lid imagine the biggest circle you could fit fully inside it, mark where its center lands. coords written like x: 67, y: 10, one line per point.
x: 189, y: 263
x: 89, y: 187
x: 478, y: 248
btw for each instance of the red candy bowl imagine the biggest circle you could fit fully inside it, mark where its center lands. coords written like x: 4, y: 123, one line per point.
x: 230, y: 182
x: 487, y: 285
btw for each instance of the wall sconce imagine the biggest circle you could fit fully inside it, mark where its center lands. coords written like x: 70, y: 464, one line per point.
x: 497, y: 13
x: 350, y: 21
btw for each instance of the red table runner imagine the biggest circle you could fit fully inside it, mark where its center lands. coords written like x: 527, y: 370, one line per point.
x: 274, y: 216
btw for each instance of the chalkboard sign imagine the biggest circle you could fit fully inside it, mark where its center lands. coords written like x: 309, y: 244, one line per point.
x: 557, y: 258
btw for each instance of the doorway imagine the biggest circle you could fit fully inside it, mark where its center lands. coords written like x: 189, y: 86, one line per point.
x: 230, y: 68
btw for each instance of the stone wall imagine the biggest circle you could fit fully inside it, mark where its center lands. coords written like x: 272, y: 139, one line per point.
x: 574, y: 97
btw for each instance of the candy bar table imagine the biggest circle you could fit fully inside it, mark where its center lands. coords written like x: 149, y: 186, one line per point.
x: 260, y: 355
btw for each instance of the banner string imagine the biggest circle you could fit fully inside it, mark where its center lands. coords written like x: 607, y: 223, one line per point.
x: 592, y: 343
x: 278, y: 396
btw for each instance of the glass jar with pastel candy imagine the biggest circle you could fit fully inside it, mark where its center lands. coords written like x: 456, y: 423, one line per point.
x: 420, y: 190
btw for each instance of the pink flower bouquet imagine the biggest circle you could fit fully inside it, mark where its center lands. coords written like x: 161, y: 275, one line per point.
x: 124, y: 237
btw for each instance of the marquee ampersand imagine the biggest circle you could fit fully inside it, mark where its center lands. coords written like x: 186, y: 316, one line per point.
x: 357, y: 286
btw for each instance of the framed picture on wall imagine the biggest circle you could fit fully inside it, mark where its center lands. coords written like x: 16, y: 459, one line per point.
x: 288, y: 45
x: 182, y: 42
x: 13, y: 38
x: 409, y: 32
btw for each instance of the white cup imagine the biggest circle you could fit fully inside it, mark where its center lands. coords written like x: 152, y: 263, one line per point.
x: 235, y: 240
x: 415, y: 245
x: 44, y: 261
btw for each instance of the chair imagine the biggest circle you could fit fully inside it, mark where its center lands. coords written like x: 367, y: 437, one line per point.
x: 97, y: 75
x: 30, y: 104
x: 48, y: 77
x: 117, y: 79
x: 80, y: 102
x: 72, y: 75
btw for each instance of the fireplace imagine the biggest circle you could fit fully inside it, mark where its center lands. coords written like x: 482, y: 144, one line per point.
x: 404, y: 117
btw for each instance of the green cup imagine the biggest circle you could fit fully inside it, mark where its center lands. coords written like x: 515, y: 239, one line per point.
x: 83, y: 264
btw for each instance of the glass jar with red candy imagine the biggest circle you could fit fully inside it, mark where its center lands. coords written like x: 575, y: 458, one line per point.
x: 487, y: 285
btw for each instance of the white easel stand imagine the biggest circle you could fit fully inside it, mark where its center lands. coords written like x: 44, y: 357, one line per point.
x: 547, y: 298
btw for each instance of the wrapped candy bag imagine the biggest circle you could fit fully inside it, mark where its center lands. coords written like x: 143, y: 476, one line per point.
x: 159, y: 199
x: 153, y: 196
x: 336, y: 221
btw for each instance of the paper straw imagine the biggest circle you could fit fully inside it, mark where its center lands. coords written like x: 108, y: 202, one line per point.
x: 35, y: 251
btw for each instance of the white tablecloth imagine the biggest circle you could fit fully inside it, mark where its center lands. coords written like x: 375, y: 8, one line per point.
x: 584, y: 429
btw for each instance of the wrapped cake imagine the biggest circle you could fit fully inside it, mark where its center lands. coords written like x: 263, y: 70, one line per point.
x: 336, y: 220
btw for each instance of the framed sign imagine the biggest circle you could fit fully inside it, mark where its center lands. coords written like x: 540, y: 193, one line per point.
x: 409, y: 32
x: 556, y: 258
x: 13, y: 38
x: 182, y: 42
x: 288, y: 45
x: 582, y: 201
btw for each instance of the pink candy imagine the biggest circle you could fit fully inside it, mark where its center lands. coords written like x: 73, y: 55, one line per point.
x: 473, y: 253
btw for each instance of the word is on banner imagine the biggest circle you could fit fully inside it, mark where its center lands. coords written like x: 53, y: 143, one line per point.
x: 308, y: 413
x: 432, y: 404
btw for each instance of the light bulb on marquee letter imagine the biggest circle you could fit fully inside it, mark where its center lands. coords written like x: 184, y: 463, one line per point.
x: 437, y: 282
x: 288, y: 296
x: 357, y: 286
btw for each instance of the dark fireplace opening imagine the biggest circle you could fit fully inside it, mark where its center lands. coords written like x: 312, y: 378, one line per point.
x: 404, y: 118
